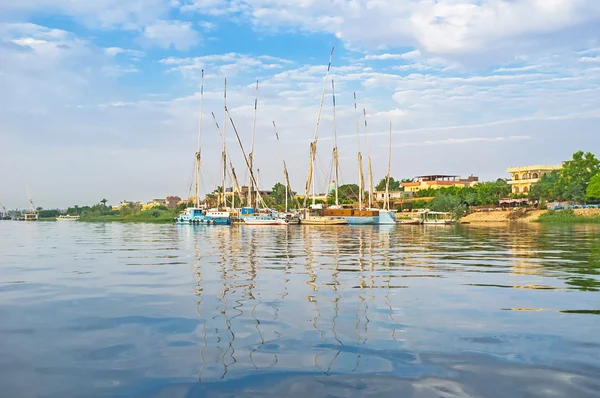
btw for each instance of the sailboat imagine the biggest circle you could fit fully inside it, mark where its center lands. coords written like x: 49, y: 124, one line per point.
x: 196, y: 214
x: 315, y: 215
x: 353, y: 216
x: 387, y: 216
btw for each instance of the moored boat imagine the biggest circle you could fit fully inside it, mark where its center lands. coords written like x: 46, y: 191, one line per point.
x: 436, y: 218
x: 410, y: 221
x: 354, y: 216
x: 315, y: 216
x: 67, y: 218
x: 264, y: 220
x: 387, y: 217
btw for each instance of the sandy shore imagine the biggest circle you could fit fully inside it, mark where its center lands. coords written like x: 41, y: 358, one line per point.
x: 509, y: 216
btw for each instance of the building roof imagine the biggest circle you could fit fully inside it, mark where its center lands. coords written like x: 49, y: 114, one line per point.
x: 438, y: 176
x: 542, y: 167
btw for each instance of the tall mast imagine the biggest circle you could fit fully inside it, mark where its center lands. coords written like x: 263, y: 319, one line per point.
x: 313, y: 144
x: 285, y: 172
x: 361, y: 178
x: 224, y: 155
x: 251, y: 155
x: 199, y: 138
x: 369, y: 161
x: 386, y: 204
x: 234, y: 179
x: 335, y: 148
x: 245, y: 157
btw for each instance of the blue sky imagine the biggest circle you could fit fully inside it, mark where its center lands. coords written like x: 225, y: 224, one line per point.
x: 100, y: 99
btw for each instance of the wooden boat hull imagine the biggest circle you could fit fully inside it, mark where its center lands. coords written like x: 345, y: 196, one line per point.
x: 362, y: 220
x: 387, y: 217
x: 409, y: 222
x: 249, y: 221
x: 324, y: 221
x: 437, y: 222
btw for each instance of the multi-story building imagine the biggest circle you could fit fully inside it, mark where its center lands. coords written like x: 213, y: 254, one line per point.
x: 524, y: 177
x: 172, y: 202
x: 439, y: 181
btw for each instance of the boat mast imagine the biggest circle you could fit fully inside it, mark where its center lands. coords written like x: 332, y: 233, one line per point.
x: 251, y: 155
x: 199, y: 138
x: 224, y: 154
x: 313, y: 144
x: 361, y: 178
x: 245, y: 157
x: 335, y: 148
x: 285, y: 172
x: 387, y: 180
x: 234, y: 179
x: 369, y: 161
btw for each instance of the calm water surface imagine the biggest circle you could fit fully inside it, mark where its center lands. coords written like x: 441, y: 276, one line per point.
x: 138, y: 310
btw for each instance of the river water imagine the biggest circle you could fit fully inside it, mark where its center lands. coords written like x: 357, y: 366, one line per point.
x: 142, y: 310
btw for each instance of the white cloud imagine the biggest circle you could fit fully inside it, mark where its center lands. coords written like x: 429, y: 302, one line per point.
x: 95, y: 14
x: 470, y: 140
x: 167, y: 34
x: 228, y: 64
x: 114, y: 51
x: 386, y: 56
x: 442, y: 26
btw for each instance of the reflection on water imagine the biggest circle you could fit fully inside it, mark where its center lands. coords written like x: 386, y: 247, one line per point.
x: 144, y: 310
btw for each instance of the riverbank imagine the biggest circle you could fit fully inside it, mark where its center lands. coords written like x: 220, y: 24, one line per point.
x: 156, y: 216
x: 577, y: 216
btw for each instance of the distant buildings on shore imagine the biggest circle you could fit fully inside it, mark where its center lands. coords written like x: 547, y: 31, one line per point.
x: 521, y: 181
x: 437, y: 181
x: 524, y: 177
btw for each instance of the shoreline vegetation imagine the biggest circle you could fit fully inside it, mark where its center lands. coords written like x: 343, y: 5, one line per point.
x: 567, y: 216
x: 576, y: 182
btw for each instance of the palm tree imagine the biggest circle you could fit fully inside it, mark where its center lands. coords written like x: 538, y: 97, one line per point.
x: 103, y: 201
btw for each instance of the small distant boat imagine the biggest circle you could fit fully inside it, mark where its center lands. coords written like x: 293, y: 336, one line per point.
x: 413, y: 221
x: 67, y: 218
x: 436, y: 218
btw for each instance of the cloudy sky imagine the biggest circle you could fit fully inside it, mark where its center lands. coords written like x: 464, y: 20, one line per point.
x: 100, y: 99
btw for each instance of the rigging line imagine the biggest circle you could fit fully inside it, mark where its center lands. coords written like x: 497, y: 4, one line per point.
x: 245, y: 157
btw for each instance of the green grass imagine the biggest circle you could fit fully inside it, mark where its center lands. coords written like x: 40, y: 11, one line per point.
x: 567, y: 217
x: 148, y: 216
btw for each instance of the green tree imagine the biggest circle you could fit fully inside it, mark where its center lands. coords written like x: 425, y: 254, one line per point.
x: 348, y: 192
x: 576, y: 175
x: 547, y: 188
x: 103, y: 201
x: 593, y: 189
x: 278, y: 193
x: 394, y: 185
x: 448, y: 203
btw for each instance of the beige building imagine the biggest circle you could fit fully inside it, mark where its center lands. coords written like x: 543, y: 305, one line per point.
x: 524, y: 177
x: 439, y: 181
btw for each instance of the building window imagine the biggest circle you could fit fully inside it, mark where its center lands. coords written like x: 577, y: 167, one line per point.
x: 516, y: 177
x: 536, y: 175
x: 516, y: 189
x: 525, y: 190
x: 525, y: 176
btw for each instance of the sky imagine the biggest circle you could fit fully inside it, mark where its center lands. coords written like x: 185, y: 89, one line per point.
x: 100, y: 99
